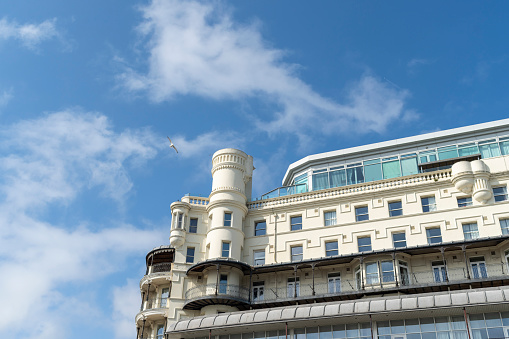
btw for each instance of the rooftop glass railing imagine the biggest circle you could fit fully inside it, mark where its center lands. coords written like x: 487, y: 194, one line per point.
x: 389, y: 167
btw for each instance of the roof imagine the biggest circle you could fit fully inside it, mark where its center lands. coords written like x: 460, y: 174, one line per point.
x: 413, y: 141
x: 491, y: 299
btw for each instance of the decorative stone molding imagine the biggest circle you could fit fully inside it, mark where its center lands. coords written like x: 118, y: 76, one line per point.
x: 177, y: 237
x: 472, y: 178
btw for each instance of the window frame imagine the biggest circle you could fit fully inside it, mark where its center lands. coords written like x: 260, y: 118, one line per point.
x: 295, y: 256
x: 258, y: 290
x: 361, y: 216
x: 503, y: 194
x: 504, y: 225
x: 359, y: 246
x: 227, y: 222
x: 331, y: 252
x: 255, y: 260
x: 473, y: 234
x: 262, y: 230
x: 190, y: 257
x: 328, y: 219
x: 398, y: 241
x: 393, y: 212
x: 464, y: 201
x: 295, y: 226
x: 193, y: 228
x: 223, y: 243
x: 430, y: 207
x: 430, y: 237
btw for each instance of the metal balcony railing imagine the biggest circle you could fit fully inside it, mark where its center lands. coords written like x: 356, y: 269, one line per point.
x: 219, y: 291
x: 388, y: 281
x: 163, y: 267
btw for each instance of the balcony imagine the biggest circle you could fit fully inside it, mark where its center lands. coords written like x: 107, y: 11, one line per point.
x: 417, y: 282
x: 216, y: 294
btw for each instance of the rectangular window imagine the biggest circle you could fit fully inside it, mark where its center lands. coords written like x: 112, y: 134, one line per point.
x: 180, y: 220
x: 387, y: 271
x: 478, y: 266
x: 434, y: 235
x: 227, y: 219
x: 399, y: 239
x: 258, y: 289
x: 395, y: 208
x: 428, y: 204
x: 331, y: 248
x: 225, y: 251
x: 439, y: 271
x: 504, y: 225
x: 190, y: 255
x: 193, y: 225
x: 165, y: 293
x: 364, y: 244
x: 296, y: 253
x: 470, y: 231
x: 361, y: 213
x: 500, y: 193
x: 296, y: 223
x: 330, y: 218
x: 260, y: 228
x: 372, y: 273
x: 334, y: 282
x: 259, y: 257
x: 464, y: 202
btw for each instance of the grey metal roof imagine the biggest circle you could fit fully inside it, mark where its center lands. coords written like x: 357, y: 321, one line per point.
x: 239, y: 321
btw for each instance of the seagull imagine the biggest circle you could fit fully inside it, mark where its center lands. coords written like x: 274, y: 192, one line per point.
x: 172, y: 145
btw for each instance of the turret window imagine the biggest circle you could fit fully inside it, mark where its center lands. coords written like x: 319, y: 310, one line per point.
x: 227, y: 219
x: 225, y: 252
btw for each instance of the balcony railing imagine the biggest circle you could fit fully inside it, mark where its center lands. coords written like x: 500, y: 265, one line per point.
x: 163, y: 267
x: 209, y: 294
x: 285, y: 190
x: 153, y: 303
x: 429, y: 279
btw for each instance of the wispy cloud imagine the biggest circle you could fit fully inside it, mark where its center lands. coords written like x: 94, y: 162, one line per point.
x: 198, y: 49
x: 207, y: 143
x: 5, y: 97
x: 47, y: 163
x: 30, y: 35
x: 126, y: 303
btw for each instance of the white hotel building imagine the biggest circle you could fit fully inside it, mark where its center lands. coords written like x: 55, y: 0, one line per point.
x: 404, y: 239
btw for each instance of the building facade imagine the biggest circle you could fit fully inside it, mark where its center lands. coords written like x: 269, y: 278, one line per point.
x: 405, y: 239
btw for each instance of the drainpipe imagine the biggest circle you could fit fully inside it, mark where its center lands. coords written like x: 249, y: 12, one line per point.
x: 394, y: 267
x: 217, y: 278
x: 313, y: 273
x: 362, y: 272
x: 250, y: 283
x: 466, y: 321
x: 295, y: 281
x: 275, y: 238
x: 442, y: 250
x: 464, y: 249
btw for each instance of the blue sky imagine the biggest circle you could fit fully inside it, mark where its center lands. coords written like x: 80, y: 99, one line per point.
x: 89, y: 91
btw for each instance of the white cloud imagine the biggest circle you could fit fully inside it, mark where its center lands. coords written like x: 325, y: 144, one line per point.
x: 46, y: 163
x: 126, y: 302
x: 5, y: 97
x: 30, y: 35
x: 207, y: 143
x: 197, y: 48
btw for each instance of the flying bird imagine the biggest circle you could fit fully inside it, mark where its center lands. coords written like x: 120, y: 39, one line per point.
x: 172, y: 145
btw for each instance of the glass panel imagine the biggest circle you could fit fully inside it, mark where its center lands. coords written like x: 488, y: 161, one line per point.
x: 337, y: 178
x: 352, y: 330
x: 409, y: 166
x: 412, y: 325
x: 312, y: 333
x: 458, y: 323
x: 320, y: 181
x: 504, y: 147
x: 427, y: 325
x: 391, y: 169
x: 493, y: 319
x: 338, y: 332
x: 447, y: 152
x: 373, y: 172
x: 489, y: 150
x: 397, y: 326
x: 299, y: 333
x: 477, y: 321
x: 325, y: 332
x: 464, y: 150
x: 354, y: 175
